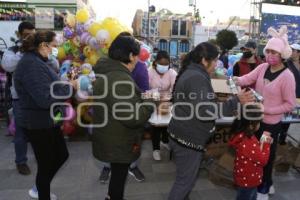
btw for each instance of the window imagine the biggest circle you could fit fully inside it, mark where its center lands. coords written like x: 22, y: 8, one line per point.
x: 163, y: 45
x: 183, y: 28
x: 184, y: 46
x: 175, y: 27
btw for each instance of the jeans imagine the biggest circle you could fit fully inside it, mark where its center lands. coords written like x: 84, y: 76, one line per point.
x: 20, y: 139
x: 246, y: 193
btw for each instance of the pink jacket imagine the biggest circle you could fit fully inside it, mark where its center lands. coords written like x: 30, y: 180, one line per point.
x: 279, y: 95
x: 163, y: 83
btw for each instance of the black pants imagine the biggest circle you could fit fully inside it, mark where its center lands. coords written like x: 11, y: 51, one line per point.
x: 283, y: 134
x: 117, y: 181
x: 159, y: 133
x: 51, y: 152
x: 267, y: 181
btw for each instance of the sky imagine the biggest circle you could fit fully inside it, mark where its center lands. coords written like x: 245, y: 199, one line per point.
x: 212, y: 10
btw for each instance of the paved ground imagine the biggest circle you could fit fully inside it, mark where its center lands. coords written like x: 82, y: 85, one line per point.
x: 78, y: 179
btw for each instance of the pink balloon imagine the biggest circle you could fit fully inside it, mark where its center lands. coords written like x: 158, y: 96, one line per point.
x: 70, y: 113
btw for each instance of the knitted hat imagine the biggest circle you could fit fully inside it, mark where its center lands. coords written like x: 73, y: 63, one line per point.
x: 279, y: 42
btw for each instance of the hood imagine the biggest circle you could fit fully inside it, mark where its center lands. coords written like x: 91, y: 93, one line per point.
x: 106, y: 65
x: 236, y: 139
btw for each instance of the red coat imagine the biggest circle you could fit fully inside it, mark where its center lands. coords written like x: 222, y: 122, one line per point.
x: 249, y: 160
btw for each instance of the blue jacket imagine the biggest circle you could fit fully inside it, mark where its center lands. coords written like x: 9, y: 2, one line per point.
x: 33, y: 79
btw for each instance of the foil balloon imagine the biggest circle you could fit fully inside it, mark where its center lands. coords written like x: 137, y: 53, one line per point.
x: 68, y: 32
x: 70, y: 20
x: 70, y: 113
x: 144, y: 54
x: 68, y: 128
x: 85, y: 37
x: 94, y: 43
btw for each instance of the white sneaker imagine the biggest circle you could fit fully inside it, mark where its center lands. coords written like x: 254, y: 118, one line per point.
x: 33, y: 193
x: 272, y: 190
x: 261, y: 196
x: 156, y: 155
x: 165, y: 145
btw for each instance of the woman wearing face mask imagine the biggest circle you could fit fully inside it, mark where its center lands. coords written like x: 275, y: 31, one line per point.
x: 192, y: 125
x: 249, y: 60
x: 33, y: 81
x: 275, y: 82
x: 161, y: 77
x: 118, y: 140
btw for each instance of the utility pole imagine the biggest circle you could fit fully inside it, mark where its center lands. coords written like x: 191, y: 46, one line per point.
x: 148, y: 27
x: 193, y: 3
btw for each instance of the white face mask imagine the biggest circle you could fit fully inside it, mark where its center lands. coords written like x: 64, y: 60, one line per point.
x: 162, y: 68
x: 53, y: 54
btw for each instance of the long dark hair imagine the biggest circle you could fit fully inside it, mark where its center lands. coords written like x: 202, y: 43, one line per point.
x: 251, y: 118
x: 204, y: 50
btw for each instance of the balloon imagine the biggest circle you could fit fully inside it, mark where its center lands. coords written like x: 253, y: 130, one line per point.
x: 82, y: 15
x: 76, y: 41
x: 87, y: 51
x: 92, y: 76
x: 93, y: 58
x: 61, y: 53
x: 94, y: 28
x: 67, y: 47
x: 65, y: 67
x: 94, y: 43
x: 85, y: 37
x: 84, y: 83
x: 102, y: 35
x: 12, y: 127
x: 70, y: 113
x: 86, y: 68
x: 68, y: 128
x: 79, y: 29
x: 144, y: 55
x: 68, y: 32
x: 88, y: 23
x: 70, y: 20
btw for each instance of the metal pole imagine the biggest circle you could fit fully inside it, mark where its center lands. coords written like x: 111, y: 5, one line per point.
x: 148, y: 28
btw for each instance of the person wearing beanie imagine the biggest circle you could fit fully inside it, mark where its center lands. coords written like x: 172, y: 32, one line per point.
x: 276, y: 83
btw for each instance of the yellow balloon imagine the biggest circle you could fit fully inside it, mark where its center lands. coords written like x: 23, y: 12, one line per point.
x: 94, y: 28
x: 82, y: 15
x: 93, y: 58
x: 87, y: 50
x: 61, y: 53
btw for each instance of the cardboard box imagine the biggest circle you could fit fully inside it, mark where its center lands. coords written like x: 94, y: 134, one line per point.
x: 221, y: 88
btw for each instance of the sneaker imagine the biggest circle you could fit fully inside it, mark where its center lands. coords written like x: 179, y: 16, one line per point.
x: 104, y: 176
x: 261, y: 196
x: 272, y: 190
x: 165, y: 145
x: 156, y: 155
x: 137, y: 174
x: 33, y: 193
x: 23, y: 169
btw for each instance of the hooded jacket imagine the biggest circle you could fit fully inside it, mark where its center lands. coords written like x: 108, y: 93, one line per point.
x: 121, y: 112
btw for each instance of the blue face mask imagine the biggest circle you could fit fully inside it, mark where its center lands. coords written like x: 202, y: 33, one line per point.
x: 162, y: 68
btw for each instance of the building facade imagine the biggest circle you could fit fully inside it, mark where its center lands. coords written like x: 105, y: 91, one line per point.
x: 167, y: 31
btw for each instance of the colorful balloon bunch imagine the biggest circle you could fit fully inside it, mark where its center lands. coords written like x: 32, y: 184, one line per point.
x: 83, y: 42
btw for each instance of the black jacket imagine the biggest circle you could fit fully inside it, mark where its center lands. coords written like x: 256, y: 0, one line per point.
x: 296, y: 73
x: 194, y: 88
x: 33, y: 79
